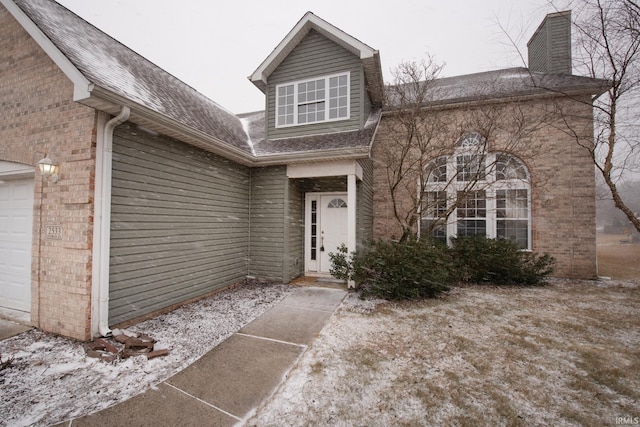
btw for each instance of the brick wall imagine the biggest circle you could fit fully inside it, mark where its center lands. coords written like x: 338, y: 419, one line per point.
x: 38, y: 117
x: 562, y: 173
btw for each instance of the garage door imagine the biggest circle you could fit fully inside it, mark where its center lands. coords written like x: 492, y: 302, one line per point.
x: 16, y: 221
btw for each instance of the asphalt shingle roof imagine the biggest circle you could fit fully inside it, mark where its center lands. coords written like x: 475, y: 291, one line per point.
x: 356, y: 140
x: 113, y: 66
x: 505, y: 83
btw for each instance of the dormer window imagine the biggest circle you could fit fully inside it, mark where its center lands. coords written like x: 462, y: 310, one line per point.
x: 313, y: 101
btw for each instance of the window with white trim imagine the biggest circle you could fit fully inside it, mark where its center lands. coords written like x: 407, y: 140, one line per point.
x: 433, y: 215
x: 337, y: 203
x: 471, y: 213
x: 313, y: 101
x: 476, y: 192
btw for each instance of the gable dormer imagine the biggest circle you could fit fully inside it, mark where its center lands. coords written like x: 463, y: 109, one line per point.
x: 318, y: 80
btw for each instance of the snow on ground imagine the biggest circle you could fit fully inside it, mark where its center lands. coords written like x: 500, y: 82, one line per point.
x: 52, y: 380
x: 562, y: 354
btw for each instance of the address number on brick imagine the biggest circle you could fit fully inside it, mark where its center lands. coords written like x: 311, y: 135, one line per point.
x: 53, y: 232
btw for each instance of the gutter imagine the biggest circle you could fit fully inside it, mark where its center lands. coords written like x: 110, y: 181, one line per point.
x: 102, y: 222
x: 104, y: 100
x: 164, y: 124
x: 490, y: 100
x: 311, y: 157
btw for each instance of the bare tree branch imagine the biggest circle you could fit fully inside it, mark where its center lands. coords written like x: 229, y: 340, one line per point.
x: 607, y: 47
x: 419, y: 132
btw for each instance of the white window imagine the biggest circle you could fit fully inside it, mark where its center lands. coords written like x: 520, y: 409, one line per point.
x: 337, y: 203
x: 476, y: 192
x: 433, y: 214
x: 470, y: 167
x: 313, y: 101
x: 512, y: 216
x: 471, y: 213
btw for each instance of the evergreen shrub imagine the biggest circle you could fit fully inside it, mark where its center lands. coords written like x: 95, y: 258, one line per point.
x: 419, y: 268
x: 397, y: 270
x: 498, y: 261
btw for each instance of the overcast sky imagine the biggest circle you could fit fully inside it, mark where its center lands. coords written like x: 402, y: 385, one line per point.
x: 213, y: 46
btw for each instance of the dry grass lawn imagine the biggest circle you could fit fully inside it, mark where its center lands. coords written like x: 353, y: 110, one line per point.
x: 564, y: 354
x: 617, y: 258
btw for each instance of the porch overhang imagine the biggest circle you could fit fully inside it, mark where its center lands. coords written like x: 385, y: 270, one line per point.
x: 349, y: 168
x: 325, y: 169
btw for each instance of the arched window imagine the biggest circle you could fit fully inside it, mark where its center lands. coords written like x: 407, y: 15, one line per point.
x: 436, y: 170
x: 471, y: 140
x: 510, y: 168
x: 476, y: 192
x: 337, y: 203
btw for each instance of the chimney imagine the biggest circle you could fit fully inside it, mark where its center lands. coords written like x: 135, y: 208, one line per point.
x: 550, y: 45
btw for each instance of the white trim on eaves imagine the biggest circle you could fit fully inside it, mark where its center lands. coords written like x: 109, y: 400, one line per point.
x: 81, y: 86
x: 309, y: 21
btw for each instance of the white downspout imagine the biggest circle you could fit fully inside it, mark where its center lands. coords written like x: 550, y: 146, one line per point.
x: 352, y: 200
x: 102, y: 222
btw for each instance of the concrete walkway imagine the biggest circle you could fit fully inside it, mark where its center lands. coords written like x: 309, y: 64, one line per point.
x: 13, y: 322
x: 226, y: 385
x: 9, y: 328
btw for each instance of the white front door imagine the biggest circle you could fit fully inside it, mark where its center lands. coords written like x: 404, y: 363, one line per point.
x: 16, y: 222
x: 326, y: 229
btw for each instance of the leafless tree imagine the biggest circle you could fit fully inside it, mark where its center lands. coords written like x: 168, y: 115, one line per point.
x: 413, y: 138
x: 607, y: 46
x: 421, y: 132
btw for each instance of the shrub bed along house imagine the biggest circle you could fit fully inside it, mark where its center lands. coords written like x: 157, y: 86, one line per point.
x: 420, y: 268
x: 498, y: 261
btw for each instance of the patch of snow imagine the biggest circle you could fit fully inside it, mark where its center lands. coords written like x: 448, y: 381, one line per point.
x: 245, y: 125
x: 354, y: 303
x: 52, y: 380
x: 479, y: 355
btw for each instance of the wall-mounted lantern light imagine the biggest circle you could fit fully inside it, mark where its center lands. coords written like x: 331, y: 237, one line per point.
x: 48, y: 169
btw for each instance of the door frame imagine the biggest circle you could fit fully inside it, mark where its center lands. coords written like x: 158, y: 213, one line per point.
x: 313, y: 267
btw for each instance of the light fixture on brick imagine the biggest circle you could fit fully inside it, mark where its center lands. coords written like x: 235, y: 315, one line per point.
x: 48, y: 169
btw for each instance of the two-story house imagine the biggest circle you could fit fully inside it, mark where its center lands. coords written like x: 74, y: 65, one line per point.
x: 158, y: 195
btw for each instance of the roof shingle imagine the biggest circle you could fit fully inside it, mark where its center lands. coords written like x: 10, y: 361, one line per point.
x: 111, y: 65
x: 498, y: 84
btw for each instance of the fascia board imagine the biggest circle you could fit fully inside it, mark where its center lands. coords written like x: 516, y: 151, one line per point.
x: 110, y: 102
x: 324, y: 169
x: 81, y: 85
x: 168, y: 126
x: 474, y: 101
x: 308, y: 21
x: 306, y: 157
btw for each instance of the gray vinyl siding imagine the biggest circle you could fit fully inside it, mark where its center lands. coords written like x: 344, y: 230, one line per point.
x: 364, y: 218
x: 550, y: 46
x: 295, y: 231
x: 366, y: 105
x: 267, y: 251
x: 317, y: 56
x: 179, y: 223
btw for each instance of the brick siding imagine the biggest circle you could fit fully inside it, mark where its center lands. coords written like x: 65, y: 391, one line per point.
x: 562, y: 175
x: 38, y: 117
